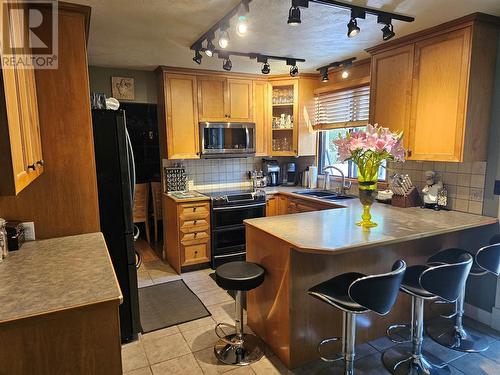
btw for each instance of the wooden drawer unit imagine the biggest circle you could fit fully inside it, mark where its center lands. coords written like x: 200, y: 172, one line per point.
x: 186, y: 232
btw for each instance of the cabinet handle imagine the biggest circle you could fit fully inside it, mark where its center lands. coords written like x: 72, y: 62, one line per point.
x: 408, y: 153
x: 41, y: 162
x: 194, y: 209
x: 194, y: 222
x: 32, y: 166
x: 195, y: 234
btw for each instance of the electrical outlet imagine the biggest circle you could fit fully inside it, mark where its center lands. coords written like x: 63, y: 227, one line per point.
x: 29, y: 231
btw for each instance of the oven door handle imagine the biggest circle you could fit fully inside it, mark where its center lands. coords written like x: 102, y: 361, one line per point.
x: 237, y: 207
x: 230, y: 255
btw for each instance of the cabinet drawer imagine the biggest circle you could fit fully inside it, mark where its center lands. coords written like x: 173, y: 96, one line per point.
x: 197, y: 253
x: 191, y: 226
x: 194, y: 211
x: 194, y: 238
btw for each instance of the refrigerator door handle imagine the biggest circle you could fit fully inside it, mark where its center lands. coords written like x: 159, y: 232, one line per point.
x: 131, y: 163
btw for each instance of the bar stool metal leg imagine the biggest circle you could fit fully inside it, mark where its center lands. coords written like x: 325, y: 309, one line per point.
x: 453, y: 335
x: 413, y: 363
x: 348, y: 342
x: 238, y: 348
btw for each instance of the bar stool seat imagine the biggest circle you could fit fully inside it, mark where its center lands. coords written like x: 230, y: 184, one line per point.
x: 238, y: 348
x: 242, y: 276
x: 354, y: 293
x: 336, y: 292
x: 411, y: 283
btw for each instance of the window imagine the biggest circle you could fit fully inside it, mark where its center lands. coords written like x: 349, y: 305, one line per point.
x: 336, y: 113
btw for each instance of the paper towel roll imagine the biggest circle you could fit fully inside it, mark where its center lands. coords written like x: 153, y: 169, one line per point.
x: 313, y: 177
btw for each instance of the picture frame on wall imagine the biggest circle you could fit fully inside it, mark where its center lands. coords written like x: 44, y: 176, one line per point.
x: 123, y: 88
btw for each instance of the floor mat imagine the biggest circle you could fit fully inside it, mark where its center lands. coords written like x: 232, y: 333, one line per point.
x: 168, y: 304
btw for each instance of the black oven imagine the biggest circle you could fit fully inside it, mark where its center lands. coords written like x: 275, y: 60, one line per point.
x: 228, y: 230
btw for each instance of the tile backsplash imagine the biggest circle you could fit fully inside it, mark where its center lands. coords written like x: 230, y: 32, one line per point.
x: 218, y: 173
x: 463, y: 181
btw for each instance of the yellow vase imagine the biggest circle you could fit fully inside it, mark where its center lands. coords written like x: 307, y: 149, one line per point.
x: 367, y: 184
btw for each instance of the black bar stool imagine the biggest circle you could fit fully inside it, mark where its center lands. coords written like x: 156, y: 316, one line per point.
x: 238, y: 348
x: 421, y: 282
x: 486, y: 260
x: 355, y: 293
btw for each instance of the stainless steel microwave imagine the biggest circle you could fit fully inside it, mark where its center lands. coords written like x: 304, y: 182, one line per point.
x: 219, y: 139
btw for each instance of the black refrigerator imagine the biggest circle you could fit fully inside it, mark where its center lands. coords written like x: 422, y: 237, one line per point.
x: 115, y: 168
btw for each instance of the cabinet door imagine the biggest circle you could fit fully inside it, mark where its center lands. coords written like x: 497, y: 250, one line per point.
x: 271, y: 207
x: 390, y: 92
x: 212, y: 99
x: 262, y: 116
x: 282, y: 205
x: 240, y: 99
x: 439, y: 96
x: 182, y: 117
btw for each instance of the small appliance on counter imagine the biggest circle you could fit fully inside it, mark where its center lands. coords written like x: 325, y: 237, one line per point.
x: 289, y: 174
x: 258, y: 179
x: 435, y: 195
x: 15, y: 235
x: 405, y: 194
x: 271, y: 169
x: 313, y: 177
x: 175, y: 179
x: 4, y: 250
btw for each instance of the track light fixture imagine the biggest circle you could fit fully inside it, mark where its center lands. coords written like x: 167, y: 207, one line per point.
x: 242, y: 25
x: 294, y: 16
x: 294, y: 70
x: 227, y: 64
x: 224, y: 35
x: 388, y: 31
x: 324, y: 74
x: 197, y: 57
x: 209, y: 51
x: 352, y: 28
x: 345, y: 74
x: 266, y: 68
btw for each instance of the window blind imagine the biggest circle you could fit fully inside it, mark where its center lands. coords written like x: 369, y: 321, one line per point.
x: 342, y: 109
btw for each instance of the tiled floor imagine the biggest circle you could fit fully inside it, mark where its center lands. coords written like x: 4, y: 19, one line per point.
x: 188, y: 348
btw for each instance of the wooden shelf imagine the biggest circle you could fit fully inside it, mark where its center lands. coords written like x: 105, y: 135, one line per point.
x: 283, y: 105
x: 282, y: 129
x: 282, y: 153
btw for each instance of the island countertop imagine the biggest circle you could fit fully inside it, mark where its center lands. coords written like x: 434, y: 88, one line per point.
x: 335, y: 230
x: 56, y: 274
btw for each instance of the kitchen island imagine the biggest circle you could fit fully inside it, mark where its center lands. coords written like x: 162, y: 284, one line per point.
x: 301, y: 250
x: 59, y: 301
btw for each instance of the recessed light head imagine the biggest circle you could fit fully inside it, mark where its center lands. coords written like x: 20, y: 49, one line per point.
x: 266, y: 68
x: 388, y: 31
x: 352, y: 28
x: 197, y: 57
x: 227, y: 64
x: 224, y: 39
x: 209, y: 51
x: 324, y: 74
x: 294, y: 16
x: 242, y: 25
x: 345, y: 74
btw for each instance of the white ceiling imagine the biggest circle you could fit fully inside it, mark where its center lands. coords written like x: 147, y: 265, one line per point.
x: 142, y: 34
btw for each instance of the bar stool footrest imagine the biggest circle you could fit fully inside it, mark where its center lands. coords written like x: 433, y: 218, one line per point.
x: 402, y: 337
x: 223, y: 337
x: 339, y: 356
x: 435, y: 307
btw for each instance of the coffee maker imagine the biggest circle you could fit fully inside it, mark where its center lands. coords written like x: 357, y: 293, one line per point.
x: 289, y: 174
x: 271, y: 169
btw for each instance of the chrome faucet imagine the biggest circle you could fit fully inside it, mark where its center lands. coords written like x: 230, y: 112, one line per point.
x: 343, y: 186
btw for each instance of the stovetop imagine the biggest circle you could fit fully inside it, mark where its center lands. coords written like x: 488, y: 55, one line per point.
x: 227, y: 193
x: 235, y: 197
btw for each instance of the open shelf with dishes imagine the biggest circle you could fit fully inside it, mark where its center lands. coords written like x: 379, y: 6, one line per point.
x: 283, y: 112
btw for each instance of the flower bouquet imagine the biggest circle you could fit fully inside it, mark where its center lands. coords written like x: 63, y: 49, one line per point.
x: 368, y: 149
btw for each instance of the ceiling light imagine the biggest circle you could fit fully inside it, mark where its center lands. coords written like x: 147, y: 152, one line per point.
x: 324, y: 74
x: 352, y: 28
x: 224, y: 39
x: 227, y: 65
x: 242, y: 26
x: 294, y: 16
x: 209, y: 51
x: 345, y: 74
x: 266, y: 69
x: 388, y: 31
x: 294, y: 71
x: 197, y: 57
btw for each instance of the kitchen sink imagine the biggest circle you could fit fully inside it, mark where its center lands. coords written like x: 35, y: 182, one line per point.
x: 324, y: 194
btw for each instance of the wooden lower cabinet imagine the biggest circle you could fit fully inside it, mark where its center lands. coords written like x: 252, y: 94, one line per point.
x: 186, y: 233
x: 271, y: 206
x: 284, y: 205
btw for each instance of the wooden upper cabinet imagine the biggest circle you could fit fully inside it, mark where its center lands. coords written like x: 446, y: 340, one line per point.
x: 262, y: 116
x: 20, y: 143
x: 439, y: 96
x: 212, y: 98
x: 240, y: 99
x: 437, y: 85
x: 222, y: 99
x: 182, y: 137
x: 390, y: 89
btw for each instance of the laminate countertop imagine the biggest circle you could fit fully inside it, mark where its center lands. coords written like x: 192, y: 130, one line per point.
x: 335, y: 230
x: 56, y: 274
